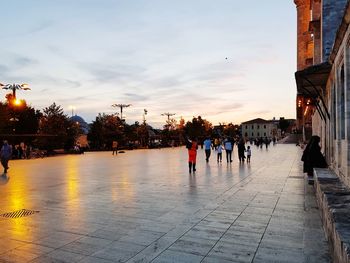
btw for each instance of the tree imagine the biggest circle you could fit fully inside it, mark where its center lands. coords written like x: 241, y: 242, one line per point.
x: 105, y: 129
x: 19, y: 119
x: 5, y: 127
x: 283, y: 124
x: 55, y: 129
x: 198, y: 128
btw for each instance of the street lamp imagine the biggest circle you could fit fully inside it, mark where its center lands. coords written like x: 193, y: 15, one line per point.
x: 14, y: 87
x: 121, y: 106
x: 144, y: 115
x: 73, y: 108
x: 168, y: 121
x: 168, y: 114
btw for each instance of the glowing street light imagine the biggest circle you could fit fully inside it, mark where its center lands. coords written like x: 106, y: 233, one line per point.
x: 17, y: 102
x: 145, y: 111
x: 14, y: 87
x: 73, y: 108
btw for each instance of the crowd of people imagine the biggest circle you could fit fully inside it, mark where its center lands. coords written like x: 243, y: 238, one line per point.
x: 226, y: 145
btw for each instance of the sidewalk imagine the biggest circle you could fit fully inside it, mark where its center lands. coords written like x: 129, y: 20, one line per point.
x: 143, y: 206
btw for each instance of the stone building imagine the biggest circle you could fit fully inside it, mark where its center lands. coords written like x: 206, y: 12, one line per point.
x: 317, y: 24
x: 323, y: 100
x: 257, y: 128
x: 322, y: 97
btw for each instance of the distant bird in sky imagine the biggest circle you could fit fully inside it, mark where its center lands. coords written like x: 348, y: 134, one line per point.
x: 226, y: 58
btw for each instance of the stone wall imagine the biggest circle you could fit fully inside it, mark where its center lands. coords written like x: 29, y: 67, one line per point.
x: 333, y: 199
x: 332, y: 14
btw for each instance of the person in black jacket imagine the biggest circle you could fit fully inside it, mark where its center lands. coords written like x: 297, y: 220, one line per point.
x: 312, y: 156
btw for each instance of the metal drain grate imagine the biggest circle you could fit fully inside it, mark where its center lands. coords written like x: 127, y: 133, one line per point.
x: 19, y: 213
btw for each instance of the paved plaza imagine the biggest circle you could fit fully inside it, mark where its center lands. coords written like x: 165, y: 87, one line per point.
x: 143, y: 206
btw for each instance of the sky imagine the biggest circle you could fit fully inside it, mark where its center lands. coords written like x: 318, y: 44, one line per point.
x: 226, y: 60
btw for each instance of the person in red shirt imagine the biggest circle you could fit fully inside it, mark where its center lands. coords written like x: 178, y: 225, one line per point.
x: 192, y: 147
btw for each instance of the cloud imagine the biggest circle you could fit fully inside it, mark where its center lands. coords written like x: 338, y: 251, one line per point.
x: 41, y: 26
x: 262, y: 112
x: 24, y: 61
x: 4, y: 69
x: 135, y: 97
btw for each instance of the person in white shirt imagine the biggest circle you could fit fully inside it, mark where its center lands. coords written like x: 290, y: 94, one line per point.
x: 219, y: 152
x: 228, y: 148
x: 249, y: 154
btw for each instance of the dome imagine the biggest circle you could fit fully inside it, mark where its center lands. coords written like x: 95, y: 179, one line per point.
x: 77, y: 118
x: 83, y: 124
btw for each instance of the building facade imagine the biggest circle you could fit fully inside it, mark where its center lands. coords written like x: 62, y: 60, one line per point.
x: 317, y: 24
x: 257, y: 128
x: 324, y: 87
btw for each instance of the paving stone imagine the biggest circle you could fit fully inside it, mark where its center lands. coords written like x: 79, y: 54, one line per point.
x: 170, y: 256
x: 197, y: 246
x: 86, y: 245
x: 143, y: 206
x: 59, y: 256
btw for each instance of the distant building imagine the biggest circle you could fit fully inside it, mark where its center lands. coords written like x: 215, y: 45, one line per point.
x: 257, y: 128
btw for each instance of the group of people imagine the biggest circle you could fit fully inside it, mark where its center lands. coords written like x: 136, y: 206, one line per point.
x: 21, y: 151
x: 259, y: 142
x: 18, y: 151
x: 219, y: 146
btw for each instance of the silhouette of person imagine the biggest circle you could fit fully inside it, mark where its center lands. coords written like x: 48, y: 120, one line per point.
x: 5, y: 155
x: 312, y: 156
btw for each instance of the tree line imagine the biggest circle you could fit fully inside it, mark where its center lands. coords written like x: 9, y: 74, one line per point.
x: 50, y: 128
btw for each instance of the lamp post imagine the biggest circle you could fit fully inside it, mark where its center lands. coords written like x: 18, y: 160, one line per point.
x: 14, y: 87
x: 168, y: 114
x: 121, y: 106
x: 168, y: 121
x: 144, y: 115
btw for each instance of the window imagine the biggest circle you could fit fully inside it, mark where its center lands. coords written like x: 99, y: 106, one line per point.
x: 334, y: 112
x: 258, y: 126
x: 246, y: 126
x: 246, y: 134
x: 252, y: 134
x: 252, y: 127
x: 258, y: 134
x: 265, y: 134
x: 341, y: 105
x: 264, y: 126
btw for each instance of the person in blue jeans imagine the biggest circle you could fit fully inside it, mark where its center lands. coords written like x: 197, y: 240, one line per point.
x: 228, y: 148
x: 207, y: 148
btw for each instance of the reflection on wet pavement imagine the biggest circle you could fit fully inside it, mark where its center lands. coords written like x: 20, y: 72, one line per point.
x: 143, y: 205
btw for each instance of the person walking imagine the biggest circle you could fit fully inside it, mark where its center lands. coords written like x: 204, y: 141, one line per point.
x: 241, y: 150
x: 207, y: 148
x: 114, y: 147
x: 228, y: 148
x: 249, y: 154
x: 192, y: 147
x: 5, y: 155
x: 219, y: 152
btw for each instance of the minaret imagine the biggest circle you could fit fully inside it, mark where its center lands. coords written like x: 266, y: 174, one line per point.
x: 303, y: 35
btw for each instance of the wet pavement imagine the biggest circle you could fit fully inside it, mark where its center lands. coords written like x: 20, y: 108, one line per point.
x: 143, y: 206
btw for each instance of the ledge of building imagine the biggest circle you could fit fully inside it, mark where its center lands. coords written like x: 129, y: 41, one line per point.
x: 333, y: 199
